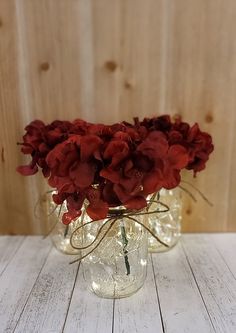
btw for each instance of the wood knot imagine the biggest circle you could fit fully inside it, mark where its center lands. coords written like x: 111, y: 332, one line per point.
x: 127, y: 85
x: 110, y: 65
x: 208, y: 118
x: 188, y: 211
x: 44, y: 66
x: 1, y: 23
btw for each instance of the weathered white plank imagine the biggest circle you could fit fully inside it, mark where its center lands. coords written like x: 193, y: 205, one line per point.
x: 216, y: 282
x: 18, y: 279
x: 38, y: 294
x: 226, y: 245
x: 140, y: 312
x: 49, y: 300
x: 181, y: 305
x: 88, y: 312
x: 8, y: 247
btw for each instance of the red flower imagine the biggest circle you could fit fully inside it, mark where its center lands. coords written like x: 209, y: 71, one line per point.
x: 62, y: 157
x: 117, y: 151
x: 33, y: 137
x: 82, y: 174
x: 27, y: 170
x: 177, y: 159
x: 97, y: 208
x: 71, y: 163
x: 71, y: 215
x: 112, y: 165
x: 161, y: 123
x: 155, y: 148
x: 199, y: 146
x: 89, y: 147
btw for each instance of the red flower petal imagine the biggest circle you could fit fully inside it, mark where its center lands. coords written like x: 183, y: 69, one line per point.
x: 110, y: 196
x: 68, y: 217
x: 171, y: 178
x: 27, y: 148
x: 88, y: 146
x: 154, y: 146
x: 58, y: 198
x: 27, y: 170
x: 82, y: 174
x: 136, y: 203
x: 121, y: 193
x: 117, y: 150
x: 99, y: 211
x: 110, y: 174
x: 194, y: 130
x: 178, y: 157
x: 93, y: 195
x: 152, y: 182
x: 75, y: 202
x: 133, y: 183
x: 54, y: 136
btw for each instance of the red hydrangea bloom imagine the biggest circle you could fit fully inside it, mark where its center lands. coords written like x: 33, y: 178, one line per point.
x: 167, y: 162
x: 198, y: 144
x: 97, y: 208
x: 112, y: 165
x: 73, y: 166
x: 34, y: 145
x: 199, y: 148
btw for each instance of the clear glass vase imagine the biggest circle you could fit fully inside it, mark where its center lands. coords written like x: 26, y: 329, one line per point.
x: 117, y: 267
x: 166, y: 226
x: 60, y: 233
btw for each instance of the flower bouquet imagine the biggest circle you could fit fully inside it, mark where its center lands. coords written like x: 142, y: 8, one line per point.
x: 107, y: 177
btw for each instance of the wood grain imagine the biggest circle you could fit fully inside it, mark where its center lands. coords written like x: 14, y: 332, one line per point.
x: 191, y: 288
x: 215, y: 280
x: 141, y: 312
x: 225, y: 245
x: 8, y: 247
x: 83, y: 304
x: 181, y: 304
x: 18, y: 279
x: 109, y: 61
x: 51, y: 293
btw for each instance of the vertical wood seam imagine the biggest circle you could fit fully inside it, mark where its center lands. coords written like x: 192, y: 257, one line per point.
x: 198, y: 287
x: 71, y: 295
x: 45, y: 260
x: 157, y: 294
x: 16, y: 250
x: 222, y: 257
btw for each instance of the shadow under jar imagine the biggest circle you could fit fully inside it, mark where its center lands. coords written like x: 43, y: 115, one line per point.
x: 117, y: 267
x: 167, y: 225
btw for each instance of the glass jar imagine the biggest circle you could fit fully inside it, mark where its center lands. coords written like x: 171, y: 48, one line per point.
x: 167, y: 225
x: 117, y: 266
x: 60, y: 233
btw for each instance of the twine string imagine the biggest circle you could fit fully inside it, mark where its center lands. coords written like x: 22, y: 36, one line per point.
x: 96, y: 246
x: 112, y: 221
x: 188, y: 192
x: 198, y: 191
x: 113, y: 218
x: 84, y: 226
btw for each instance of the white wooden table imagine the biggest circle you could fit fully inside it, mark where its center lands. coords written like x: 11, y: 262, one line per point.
x: 191, y: 288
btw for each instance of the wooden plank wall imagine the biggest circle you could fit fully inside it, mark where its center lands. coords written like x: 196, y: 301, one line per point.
x: 106, y: 60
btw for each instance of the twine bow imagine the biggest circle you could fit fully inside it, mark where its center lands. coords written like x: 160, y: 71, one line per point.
x: 113, y: 218
x: 110, y: 223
